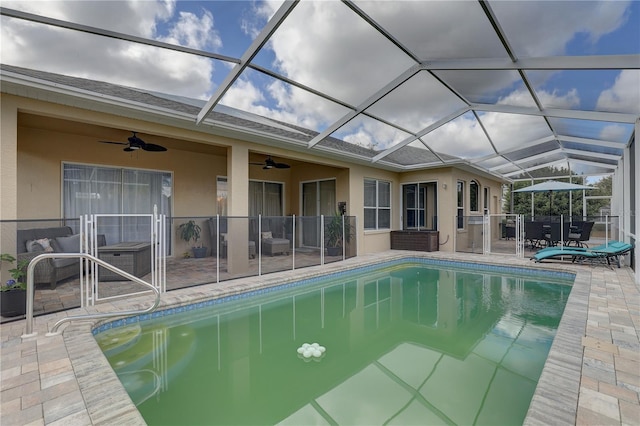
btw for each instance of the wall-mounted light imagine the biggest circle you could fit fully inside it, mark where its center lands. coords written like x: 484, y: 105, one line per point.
x: 444, y: 186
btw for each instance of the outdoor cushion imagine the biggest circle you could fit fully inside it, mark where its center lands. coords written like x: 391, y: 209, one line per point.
x: 69, y: 244
x: 34, y: 246
x: 59, y: 263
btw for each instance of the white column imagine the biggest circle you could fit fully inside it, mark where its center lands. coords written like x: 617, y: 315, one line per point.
x: 8, y: 180
x: 238, y: 205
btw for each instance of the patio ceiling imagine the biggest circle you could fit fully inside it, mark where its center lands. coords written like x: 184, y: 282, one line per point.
x: 418, y: 78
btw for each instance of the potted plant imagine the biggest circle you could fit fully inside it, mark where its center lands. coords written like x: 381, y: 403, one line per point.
x: 13, y: 295
x: 191, y: 231
x: 333, y: 234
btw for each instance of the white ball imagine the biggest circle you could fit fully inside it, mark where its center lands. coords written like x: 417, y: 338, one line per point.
x: 322, y: 349
x: 317, y: 353
x: 315, y: 345
x: 300, y: 350
x: 305, y: 345
x: 307, y: 354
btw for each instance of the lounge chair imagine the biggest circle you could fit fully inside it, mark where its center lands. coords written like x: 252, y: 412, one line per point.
x: 610, y: 251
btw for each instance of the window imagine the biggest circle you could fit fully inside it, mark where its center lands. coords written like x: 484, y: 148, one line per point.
x: 108, y: 190
x: 474, y: 196
x: 377, y: 204
x: 460, y: 213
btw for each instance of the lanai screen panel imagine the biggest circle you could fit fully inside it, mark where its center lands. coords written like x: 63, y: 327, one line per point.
x: 503, y: 87
x: 593, y: 129
x: 327, y: 47
x: 435, y: 29
x: 370, y: 133
x: 514, y: 131
x: 460, y: 138
x: 417, y: 103
x: 538, y: 150
x: 278, y: 100
x: 588, y: 90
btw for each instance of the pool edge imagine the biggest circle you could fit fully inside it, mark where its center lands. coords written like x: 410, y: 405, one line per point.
x: 106, y: 401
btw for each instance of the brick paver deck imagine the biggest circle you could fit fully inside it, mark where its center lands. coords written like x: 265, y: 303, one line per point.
x: 592, y: 374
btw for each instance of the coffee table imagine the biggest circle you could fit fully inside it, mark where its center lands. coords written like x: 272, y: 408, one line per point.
x: 131, y: 257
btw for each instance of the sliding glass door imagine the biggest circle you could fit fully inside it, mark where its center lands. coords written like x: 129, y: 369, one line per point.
x: 91, y: 189
x: 318, y: 198
x: 266, y: 198
x: 420, y: 201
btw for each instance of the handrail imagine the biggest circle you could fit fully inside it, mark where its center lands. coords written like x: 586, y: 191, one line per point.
x: 54, y: 329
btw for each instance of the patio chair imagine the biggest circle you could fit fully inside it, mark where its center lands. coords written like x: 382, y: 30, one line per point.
x: 272, y: 238
x: 534, y: 233
x: 579, y: 234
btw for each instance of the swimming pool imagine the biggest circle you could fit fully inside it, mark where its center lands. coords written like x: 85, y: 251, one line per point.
x: 405, y: 342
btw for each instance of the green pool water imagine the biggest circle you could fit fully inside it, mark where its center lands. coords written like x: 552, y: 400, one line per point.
x: 404, y: 345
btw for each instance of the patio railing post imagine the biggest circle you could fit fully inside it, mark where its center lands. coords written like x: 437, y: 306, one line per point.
x: 321, y: 239
x: 260, y: 245
x: 217, y: 243
x: 344, y: 239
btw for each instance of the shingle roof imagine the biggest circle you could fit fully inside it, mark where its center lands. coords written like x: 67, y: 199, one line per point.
x: 230, y: 116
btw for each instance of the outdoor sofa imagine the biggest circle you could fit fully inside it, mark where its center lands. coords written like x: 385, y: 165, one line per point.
x: 32, y: 242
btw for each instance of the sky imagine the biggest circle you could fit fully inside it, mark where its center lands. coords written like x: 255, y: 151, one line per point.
x: 325, y: 46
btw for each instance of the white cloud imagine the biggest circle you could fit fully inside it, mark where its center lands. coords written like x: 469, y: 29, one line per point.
x: 462, y: 138
x: 569, y: 100
x: 624, y: 95
x: 615, y: 133
x: 530, y: 24
x: 79, y: 54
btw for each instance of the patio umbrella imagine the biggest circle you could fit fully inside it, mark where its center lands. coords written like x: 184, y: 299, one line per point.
x: 551, y: 186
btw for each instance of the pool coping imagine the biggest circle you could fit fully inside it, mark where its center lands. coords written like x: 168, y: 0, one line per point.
x: 101, y: 399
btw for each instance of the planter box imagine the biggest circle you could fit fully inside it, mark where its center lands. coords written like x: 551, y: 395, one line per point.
x: 199, y: 252
x: 13, y: 302
x: 415, y: 240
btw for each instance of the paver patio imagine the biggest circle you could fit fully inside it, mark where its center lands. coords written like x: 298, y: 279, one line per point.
x: 592, y: 375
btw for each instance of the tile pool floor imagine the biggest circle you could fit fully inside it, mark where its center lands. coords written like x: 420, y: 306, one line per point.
x: 592, y: 375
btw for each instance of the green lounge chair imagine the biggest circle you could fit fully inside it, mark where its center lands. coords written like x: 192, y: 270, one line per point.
x: 611, y: 251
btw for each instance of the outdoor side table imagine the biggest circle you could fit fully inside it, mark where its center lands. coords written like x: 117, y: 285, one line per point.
x: 131, y: 257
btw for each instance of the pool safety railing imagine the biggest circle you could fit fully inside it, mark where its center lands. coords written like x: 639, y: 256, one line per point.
x: 83, y: 256
x: 149, y: 228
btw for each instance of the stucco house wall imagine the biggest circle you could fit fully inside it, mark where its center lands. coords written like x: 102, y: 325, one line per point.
x: 38, y: 136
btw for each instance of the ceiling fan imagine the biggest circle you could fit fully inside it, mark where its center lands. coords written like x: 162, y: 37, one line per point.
x: 135, y: 143
x: 269, y: 163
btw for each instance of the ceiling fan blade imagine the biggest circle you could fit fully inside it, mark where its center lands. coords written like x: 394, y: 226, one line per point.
x: 115, y: 143
x: 281, y: 166
x: 129, y: 149
x: 153, y: 147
